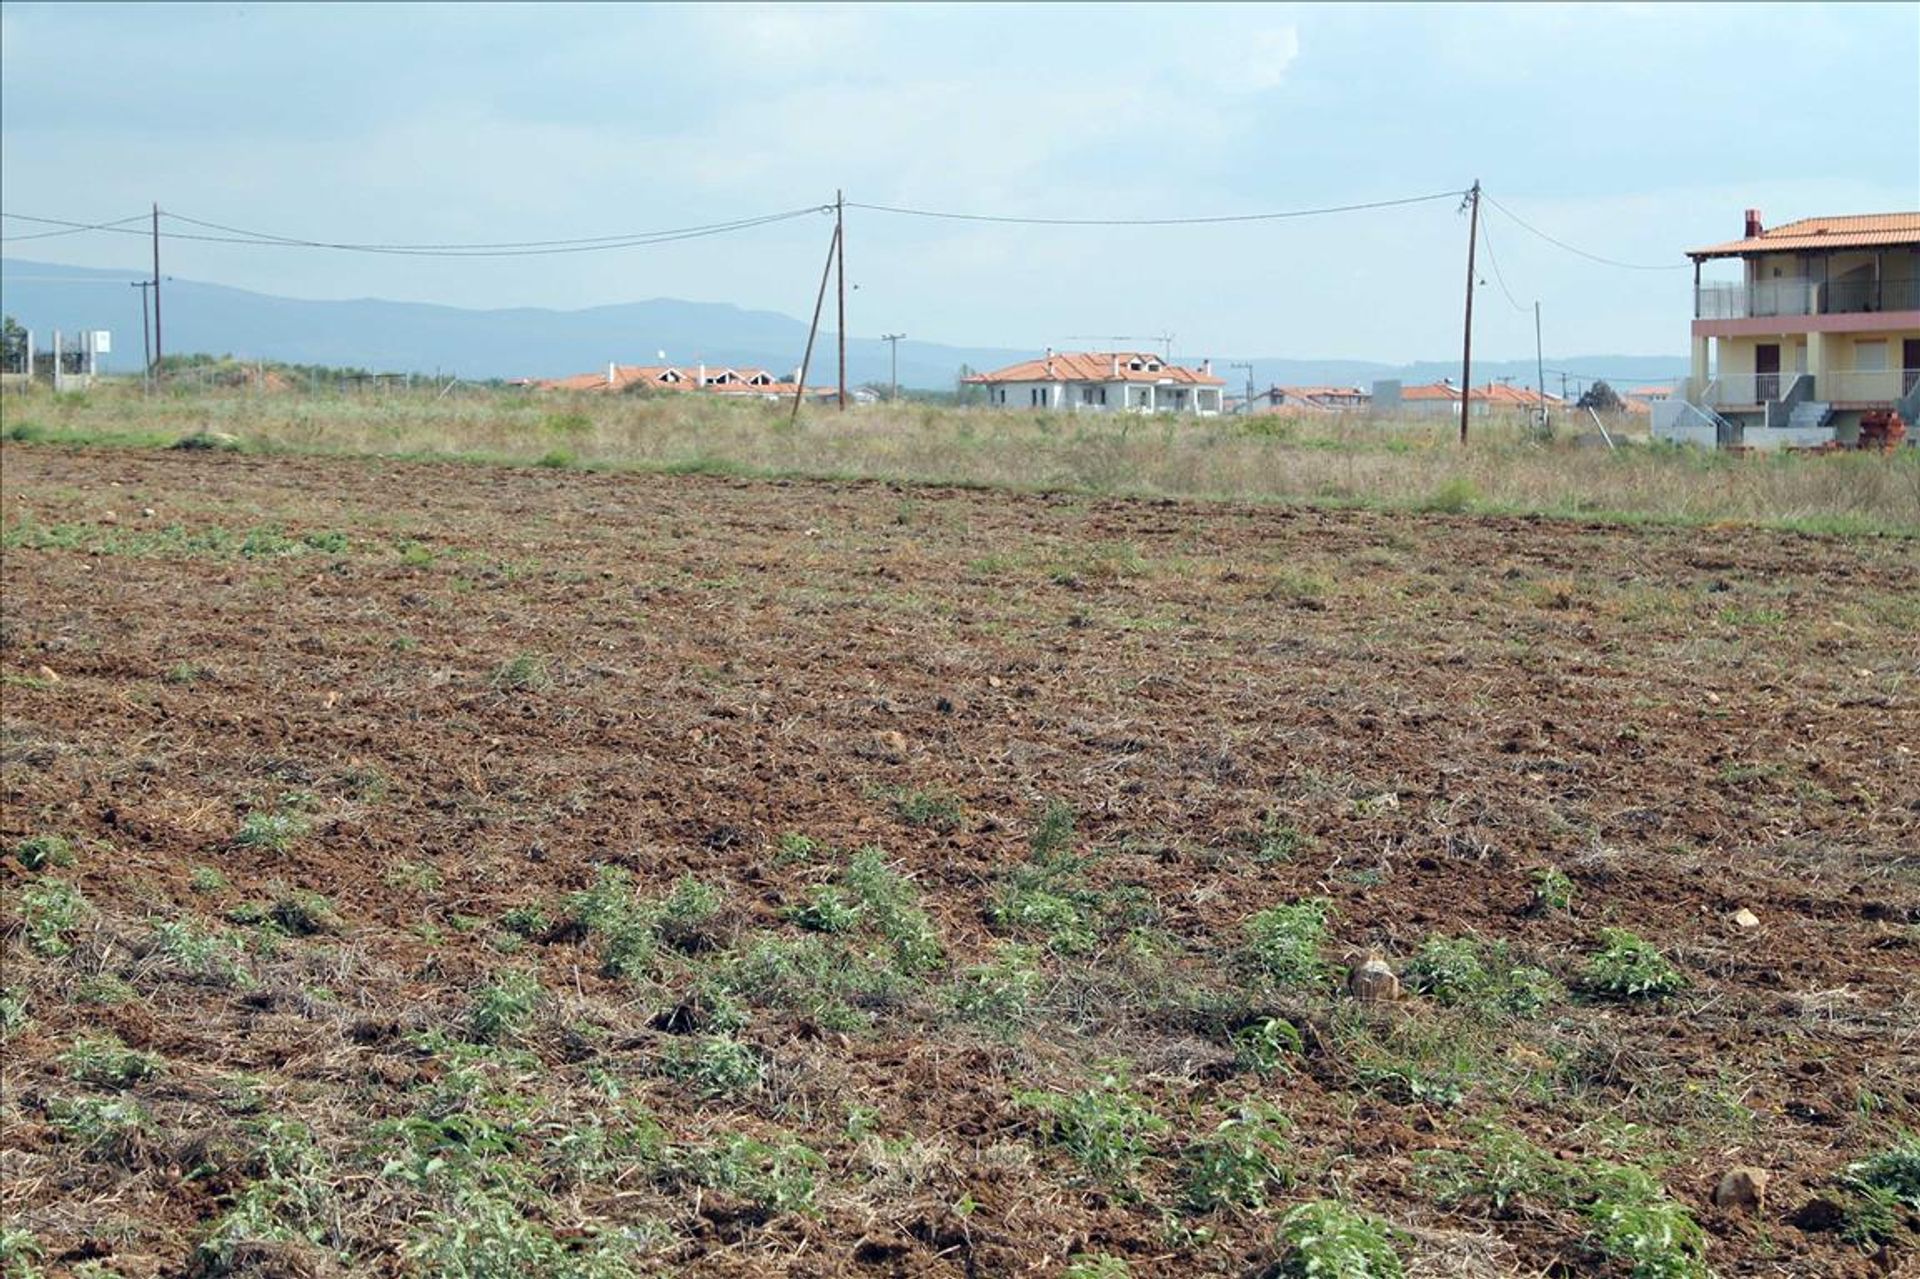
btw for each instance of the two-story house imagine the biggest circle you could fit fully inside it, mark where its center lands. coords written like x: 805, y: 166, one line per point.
x: 1104, y: 382
x: 1820, y: 325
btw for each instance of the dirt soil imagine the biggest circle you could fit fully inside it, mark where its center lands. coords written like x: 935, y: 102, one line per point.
x: 500, y: 682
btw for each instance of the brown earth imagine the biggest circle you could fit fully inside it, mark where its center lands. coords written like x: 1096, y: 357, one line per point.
x: 507, y: 678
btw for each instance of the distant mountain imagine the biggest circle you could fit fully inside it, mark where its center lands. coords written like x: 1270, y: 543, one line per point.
x: 534, y: 342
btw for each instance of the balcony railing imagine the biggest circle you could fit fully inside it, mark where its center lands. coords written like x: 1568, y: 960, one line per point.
x: 1849, y: 386
x: 1863, y: 386
x: 1798, y: 296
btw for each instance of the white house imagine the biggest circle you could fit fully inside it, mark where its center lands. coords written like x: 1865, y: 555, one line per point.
x: 1104, y: 382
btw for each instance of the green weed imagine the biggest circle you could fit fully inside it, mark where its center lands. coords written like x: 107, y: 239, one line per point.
x: 1634, y: 1222
x: 1629, y: 967
x: 1106, y: 1128
x: 522, y: 673
x: 1284, y: 943
x: 105, y: 1062
x: 50, y: 910
x: 1241, y: 1161
x: 715, y: 1065
x: 113, y: 1129
x: 934, y: 809
x: 1325, y: 1239
x: 502, y: 1010
x: 273, y: 832
x: 38, y: 852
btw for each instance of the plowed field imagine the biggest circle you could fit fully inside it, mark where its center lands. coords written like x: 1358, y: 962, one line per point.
x: 439, y: 869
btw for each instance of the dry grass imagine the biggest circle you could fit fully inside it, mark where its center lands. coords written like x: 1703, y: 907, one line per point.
x: 1392, y: 463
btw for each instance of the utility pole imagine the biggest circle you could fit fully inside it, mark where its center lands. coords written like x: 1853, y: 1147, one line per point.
x: 146, y: 336
x: 840, y: 261
x: 1540, y: 369
x: 820, y: 300
x: 893, y: 362
x: 1466, y: 346
x: 157, y: 357
x: 1248, y: 406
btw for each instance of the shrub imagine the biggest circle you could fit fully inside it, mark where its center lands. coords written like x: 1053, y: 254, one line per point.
x: 1895, y: 1170
x: 271, y: 832
x: 682, y: 920
x: 609, y: 911
x: 1634, y: 1222
x: 1629, y: 967
x: 1325, y: 1239
x: 716, y: 1065
x: 1284, y: 943
x: 1244, y: 1158
x: 777, y: 1178
x: 114, y: 1129
x: 1501, y: 1167
x: 998, y: 993
x: 1263, y: 1046
x: 1552, y: 890
x: 1457, y: 971
x: 522, y: 673
x: 934, y: 809
x: 105, y: 1062
x: 49, y: 910
x: 1104, y: 1128
x: 37, y: 852
x: 502, y: 1009
x: 1455, y: 496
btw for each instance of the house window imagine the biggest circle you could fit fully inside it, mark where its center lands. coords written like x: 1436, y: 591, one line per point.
x: 1093, y: 395
x: 1037, y: 397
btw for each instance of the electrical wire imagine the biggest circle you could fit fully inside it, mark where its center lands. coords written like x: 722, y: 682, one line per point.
x: 524, y: 248
x: 67, y: 228
x: 1486, y: 242
x: 1591, y: 257
x: 1194, y: 221
x: 504, y: 248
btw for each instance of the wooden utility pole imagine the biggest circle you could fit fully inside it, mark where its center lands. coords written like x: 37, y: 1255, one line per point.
x: 156, y: 292
x: 800, y: 385
x: 1466, y: 349
x: 146, y: 332
x: 1540, y: 369
x: 893, y: 363
x: 840, y: 263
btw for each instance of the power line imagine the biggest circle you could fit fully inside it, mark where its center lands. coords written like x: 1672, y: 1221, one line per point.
x: 509, y: 247
x: 1194, y: 221
x: 68, y: 228
x: 526, y: 248
x: 1592, y: 257
x: 1486, y: 238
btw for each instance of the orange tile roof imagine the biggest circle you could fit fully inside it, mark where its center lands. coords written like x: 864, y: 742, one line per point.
x: 1097, y: 366
x: 1500, y: 393
x: 1854, y: 231
x: 684, y: 379
x: 1312, y: 392
x: 1430, y: 391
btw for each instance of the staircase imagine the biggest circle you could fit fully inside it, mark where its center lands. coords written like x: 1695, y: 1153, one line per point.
x: 1809, y: 415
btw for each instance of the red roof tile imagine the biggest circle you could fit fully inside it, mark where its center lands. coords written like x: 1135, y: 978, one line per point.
x: 1854, y: 231
x: 1098, y: 366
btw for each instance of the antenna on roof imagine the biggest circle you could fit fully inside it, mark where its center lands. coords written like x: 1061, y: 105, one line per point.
x: 1164, y: 339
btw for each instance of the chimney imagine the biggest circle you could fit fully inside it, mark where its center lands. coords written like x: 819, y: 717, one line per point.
x: 1753, y: 223
x: 701, y: 380
x: 610, y: 376
x: 1206, y: 367
x: 1116, y: 366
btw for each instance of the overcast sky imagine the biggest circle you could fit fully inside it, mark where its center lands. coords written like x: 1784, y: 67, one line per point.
x: 1632, y: 131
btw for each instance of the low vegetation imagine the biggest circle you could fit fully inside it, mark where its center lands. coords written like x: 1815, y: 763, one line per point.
x: 418, y: 869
